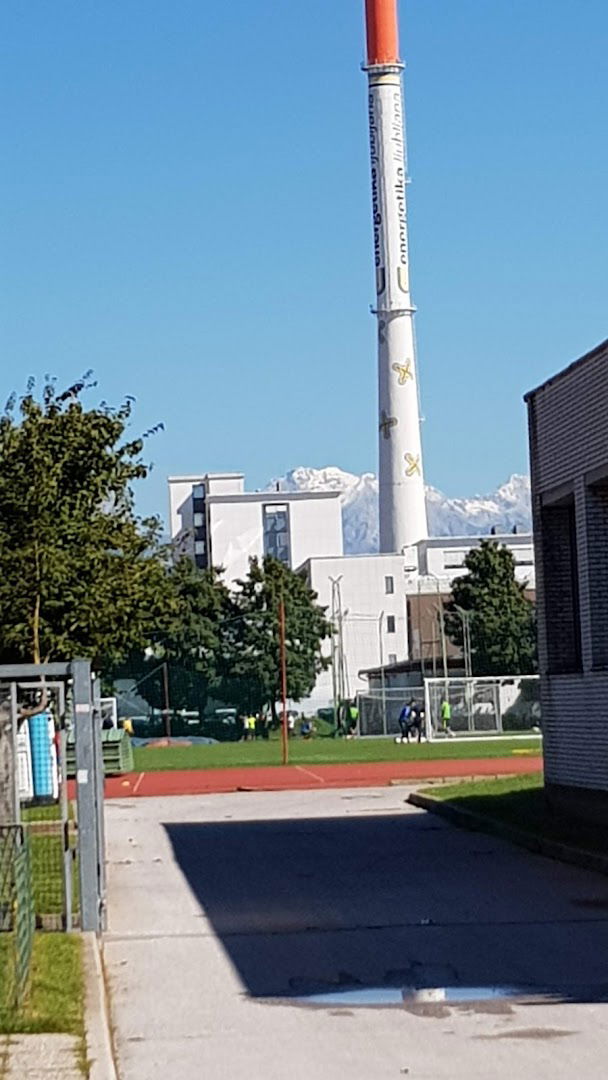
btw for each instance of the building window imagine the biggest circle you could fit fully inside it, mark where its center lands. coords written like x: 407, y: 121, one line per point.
x: 454, y: 560
x: 392, y: 658
x: 277, y: 542
x: 389, y: 585
x: 199, y: 521
x: 390, y: 624
x: 597, y: 563
x: 199, y: 547
x: 562, y: 623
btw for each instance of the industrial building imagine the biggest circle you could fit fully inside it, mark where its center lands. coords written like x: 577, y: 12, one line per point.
x: 568, y: 430
x: 384, y: 607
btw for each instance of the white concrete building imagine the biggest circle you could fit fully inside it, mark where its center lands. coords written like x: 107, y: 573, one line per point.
x: 218, y: 523
x: 389, y: 602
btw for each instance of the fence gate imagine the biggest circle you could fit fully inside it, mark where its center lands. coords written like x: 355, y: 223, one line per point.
x: 50, y: 727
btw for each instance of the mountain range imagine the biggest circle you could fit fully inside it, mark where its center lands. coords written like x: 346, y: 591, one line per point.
x: 504, y: 508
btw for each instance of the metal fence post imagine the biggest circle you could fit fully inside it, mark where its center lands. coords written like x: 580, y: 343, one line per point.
x: 90, y: 854
x: 99, y: 781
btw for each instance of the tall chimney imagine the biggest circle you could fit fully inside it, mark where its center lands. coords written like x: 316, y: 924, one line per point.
x: 402, y: 503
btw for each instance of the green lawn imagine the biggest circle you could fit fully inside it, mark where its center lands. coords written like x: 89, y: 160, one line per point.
x: 321, y: 751
x: 47, y: 874
x: 520, y: 803
x: 55, y: 1000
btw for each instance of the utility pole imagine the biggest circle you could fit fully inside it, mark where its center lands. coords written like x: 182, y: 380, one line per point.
x: 441, y: 614
x: 337, y: 658
x: 383, y: 676
x: 466, y: 640
x: 283, y: 654
x: 167, y: 701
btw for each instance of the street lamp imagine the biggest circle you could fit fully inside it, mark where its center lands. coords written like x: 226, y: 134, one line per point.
x: 465, y: 617
x: 444, y: 651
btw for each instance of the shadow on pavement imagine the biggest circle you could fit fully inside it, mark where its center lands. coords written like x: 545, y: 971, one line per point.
x: 399, y: 907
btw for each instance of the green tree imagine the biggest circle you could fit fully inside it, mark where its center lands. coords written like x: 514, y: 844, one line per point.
x: 252, y: 654
x: 502, y: 623
x: 80, y: 573
x: 190, y: 639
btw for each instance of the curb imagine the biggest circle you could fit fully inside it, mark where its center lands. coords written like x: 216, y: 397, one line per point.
x: 98, y: 1035
x: 550, y: 849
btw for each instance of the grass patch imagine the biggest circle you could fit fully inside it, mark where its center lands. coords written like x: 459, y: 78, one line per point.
x: 46, y: 854
x: 320, y: 751
x: 43, y: 812
x: 520, y: 803
x: 55, y: 1000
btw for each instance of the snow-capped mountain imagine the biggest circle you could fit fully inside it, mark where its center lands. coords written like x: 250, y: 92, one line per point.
x: 504, y: 508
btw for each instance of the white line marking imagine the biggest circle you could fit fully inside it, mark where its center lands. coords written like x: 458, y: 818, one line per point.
x: 138, y: 782
x: 315, y: 776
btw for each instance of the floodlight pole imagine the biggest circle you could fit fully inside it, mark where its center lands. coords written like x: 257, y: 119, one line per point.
x: 282, y: 649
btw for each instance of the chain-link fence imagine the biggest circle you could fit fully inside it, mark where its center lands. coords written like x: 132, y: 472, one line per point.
x: 507, y: 705
x: 33, y: 753
x: 49, y: 814
x: 16, y: 916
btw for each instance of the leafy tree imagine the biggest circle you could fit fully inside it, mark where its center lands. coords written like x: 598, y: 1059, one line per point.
x: 190, y: 638
x: 252, y: 652
x: 502, y: 624
x: 80, y: 574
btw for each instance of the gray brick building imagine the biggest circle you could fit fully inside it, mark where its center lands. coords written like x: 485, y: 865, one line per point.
x: 568, y: 429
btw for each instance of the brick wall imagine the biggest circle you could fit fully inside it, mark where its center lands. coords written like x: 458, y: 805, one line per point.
x: 568, y: 430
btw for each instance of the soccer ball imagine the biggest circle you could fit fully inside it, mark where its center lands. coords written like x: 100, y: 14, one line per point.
x: 399, y: 739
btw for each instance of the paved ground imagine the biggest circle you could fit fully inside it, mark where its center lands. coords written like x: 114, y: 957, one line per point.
x: 303, y: 777
x: 39, y: 1057
x: 335, y: 935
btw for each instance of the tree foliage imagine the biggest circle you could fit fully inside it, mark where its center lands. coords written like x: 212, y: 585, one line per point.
x: 190, y: 638
x: 252, y: 654
x: 80, y: 573
x: 502, y: 623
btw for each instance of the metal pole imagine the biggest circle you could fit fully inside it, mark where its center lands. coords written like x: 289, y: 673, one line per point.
x: 382, y: 673
x: 284, y: 738
x: 335, y: 650
x: 65, y: 821
x: 16, y: 816
x: 166, y: 700
x: 444, y: 651
x: 89, y: 855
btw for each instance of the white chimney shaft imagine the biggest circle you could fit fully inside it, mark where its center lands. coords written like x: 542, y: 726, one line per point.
x: 402, y: 503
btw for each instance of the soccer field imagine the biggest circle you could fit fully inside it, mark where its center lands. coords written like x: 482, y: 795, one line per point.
x: 326, y: 751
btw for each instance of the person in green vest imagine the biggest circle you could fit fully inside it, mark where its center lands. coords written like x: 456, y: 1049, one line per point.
x: 446, y: 715
x: 352, y: 719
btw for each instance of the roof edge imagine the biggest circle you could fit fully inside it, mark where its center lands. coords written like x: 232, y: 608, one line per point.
x: 591, y: 355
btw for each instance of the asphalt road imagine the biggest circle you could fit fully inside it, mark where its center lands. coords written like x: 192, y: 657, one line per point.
x: 342, y: 935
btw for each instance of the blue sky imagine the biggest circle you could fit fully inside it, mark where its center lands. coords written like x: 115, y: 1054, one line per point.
x: 184, y: 208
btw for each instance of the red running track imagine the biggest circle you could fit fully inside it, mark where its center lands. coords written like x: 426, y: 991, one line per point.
x: 302, y: 777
